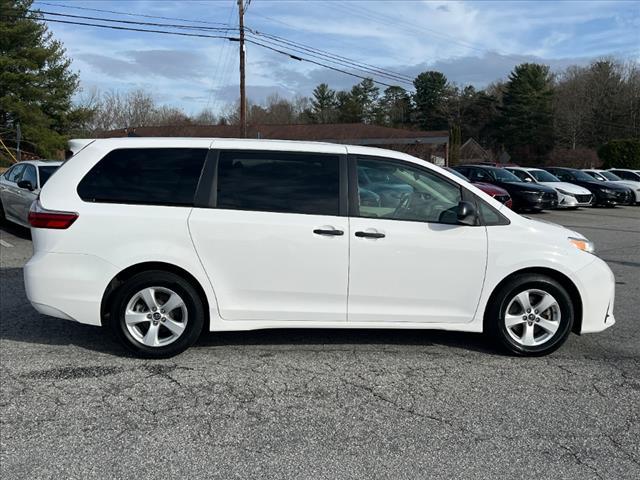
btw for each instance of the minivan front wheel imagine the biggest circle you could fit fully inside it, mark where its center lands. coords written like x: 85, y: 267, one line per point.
x: 530, y: 315
x: 156, y: 314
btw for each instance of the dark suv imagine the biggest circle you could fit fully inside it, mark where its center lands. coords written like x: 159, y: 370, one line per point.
x: 526, y: 196
x: 605, y: 194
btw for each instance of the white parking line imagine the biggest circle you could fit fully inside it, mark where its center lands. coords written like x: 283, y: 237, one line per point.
x: 5, y: 244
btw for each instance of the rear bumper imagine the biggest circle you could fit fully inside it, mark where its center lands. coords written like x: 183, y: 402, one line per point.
x: 68, y: 286
x: 597, y: 289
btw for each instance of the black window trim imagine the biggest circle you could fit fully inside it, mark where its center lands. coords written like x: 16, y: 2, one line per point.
x: 207, y: 190
x: 465, y: 195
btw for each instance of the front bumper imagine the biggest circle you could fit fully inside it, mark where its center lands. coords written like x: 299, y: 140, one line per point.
x: 68, y: 286
x: 596, y: 284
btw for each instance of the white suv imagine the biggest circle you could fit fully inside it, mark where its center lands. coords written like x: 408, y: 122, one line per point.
x: 160, y: 239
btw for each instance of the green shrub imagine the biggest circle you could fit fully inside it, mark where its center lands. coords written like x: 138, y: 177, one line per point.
x: 620, y: 154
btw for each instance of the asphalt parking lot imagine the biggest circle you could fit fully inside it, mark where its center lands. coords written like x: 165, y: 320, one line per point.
x: 323, y: 404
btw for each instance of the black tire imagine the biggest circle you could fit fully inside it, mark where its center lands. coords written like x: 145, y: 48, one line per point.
x: 496, y: 311
x: 167, y: 280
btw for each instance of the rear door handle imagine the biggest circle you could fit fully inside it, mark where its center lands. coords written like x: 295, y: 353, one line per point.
x: 328, y: 231
x: 370, y: 235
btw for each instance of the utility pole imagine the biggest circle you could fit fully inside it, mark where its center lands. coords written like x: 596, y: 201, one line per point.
x: 18, y: 138
x: 243, y: 99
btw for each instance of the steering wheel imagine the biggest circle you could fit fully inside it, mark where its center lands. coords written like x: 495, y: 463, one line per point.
x: 407, y: 201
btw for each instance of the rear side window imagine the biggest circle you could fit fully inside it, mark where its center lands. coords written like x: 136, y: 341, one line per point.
x: 156, y: 176
x: 279, y: 182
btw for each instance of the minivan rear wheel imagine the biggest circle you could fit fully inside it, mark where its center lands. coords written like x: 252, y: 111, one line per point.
x: 530, y: 315
x: 156, y: 314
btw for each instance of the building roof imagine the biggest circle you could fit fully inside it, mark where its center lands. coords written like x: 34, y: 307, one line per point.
x: 351, y: 133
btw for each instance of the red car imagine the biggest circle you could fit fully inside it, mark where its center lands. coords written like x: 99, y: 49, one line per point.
x: 498, y: 193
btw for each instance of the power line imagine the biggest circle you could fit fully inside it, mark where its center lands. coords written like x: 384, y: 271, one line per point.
x: 302, y: 59
x: 131, y: 22
x: 272, y: 39
x: 127, y: 13
x: 200, y: 35
x: 115, y: 27
x: 340, y: 59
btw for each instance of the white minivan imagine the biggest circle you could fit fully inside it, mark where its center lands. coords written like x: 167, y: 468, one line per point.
x: 159, y: 239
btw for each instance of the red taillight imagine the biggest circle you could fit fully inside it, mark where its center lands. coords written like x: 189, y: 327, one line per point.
x: 40, y: 217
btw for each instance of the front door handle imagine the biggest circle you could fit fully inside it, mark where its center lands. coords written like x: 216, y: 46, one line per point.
x: 370, y: 235
x: 328, y: 231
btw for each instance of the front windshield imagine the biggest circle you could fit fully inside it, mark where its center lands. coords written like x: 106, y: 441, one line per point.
x: 543, y: 176
x: 503, y: 175
x: 610, y: 176
x: 580, y: 175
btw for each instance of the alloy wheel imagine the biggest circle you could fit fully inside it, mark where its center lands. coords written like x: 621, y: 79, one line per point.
x: 156, y: 316
x: 532, y: 317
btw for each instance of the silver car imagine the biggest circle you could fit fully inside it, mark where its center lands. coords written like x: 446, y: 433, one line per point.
x: 20, y: 186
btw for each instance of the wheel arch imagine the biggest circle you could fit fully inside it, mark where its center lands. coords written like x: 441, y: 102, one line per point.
x: 132, y: 270
x: 560, y: 277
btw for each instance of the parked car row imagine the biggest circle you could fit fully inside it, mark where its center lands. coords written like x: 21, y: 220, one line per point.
x: 536, y: 189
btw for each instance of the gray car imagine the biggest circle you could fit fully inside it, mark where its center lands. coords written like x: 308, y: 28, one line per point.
x: 20, y: 186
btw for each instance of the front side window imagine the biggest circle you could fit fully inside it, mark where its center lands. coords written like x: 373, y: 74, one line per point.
x: 522, y: 175
x: 283, y: 182
x: 401, y: 192
x: 145, y: 176
x: 30, y: 175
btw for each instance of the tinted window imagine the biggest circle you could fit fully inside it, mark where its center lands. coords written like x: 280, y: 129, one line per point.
x: 627, y: 175
x: 504, y: 176
x: 30, y: 175
x: 521, y: 174
x: 164, y: 176
x: 563, y: 175
x: 45, y: 174
x: 401, y: 192
x: 279, y: 182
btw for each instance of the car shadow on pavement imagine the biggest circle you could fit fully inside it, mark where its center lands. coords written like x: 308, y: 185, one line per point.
x: 15, y: 230
x: 20, y: 322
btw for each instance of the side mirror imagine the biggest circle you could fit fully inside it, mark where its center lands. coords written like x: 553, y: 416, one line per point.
x: 466, y: 213
x: 528, y: 180
x: 26, y: 184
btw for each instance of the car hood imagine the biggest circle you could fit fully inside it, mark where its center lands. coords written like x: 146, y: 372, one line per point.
x: 491, y: 189
x: 553, y: 228
x: 627, y: 183
x: 567, y: 187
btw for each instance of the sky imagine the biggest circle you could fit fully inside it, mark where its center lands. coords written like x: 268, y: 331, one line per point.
x: 471, y: 42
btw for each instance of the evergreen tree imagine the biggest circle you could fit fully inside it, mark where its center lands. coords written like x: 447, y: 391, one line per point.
x: 526, y: 121
x: 395, y: 107
x: 432, y: 90
x: 324, y: 104
x: 36, y: 84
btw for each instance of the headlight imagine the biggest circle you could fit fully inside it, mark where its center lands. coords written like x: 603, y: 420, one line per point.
x: 529, y: 192
x: 608, y: 191
x: 564, y: 192
x: 582, y: 244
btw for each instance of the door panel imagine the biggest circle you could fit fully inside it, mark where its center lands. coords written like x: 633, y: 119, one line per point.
x: 275, y: 242
x: 409, y: 259
x: 418, y: 272
x: 272, y: 266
